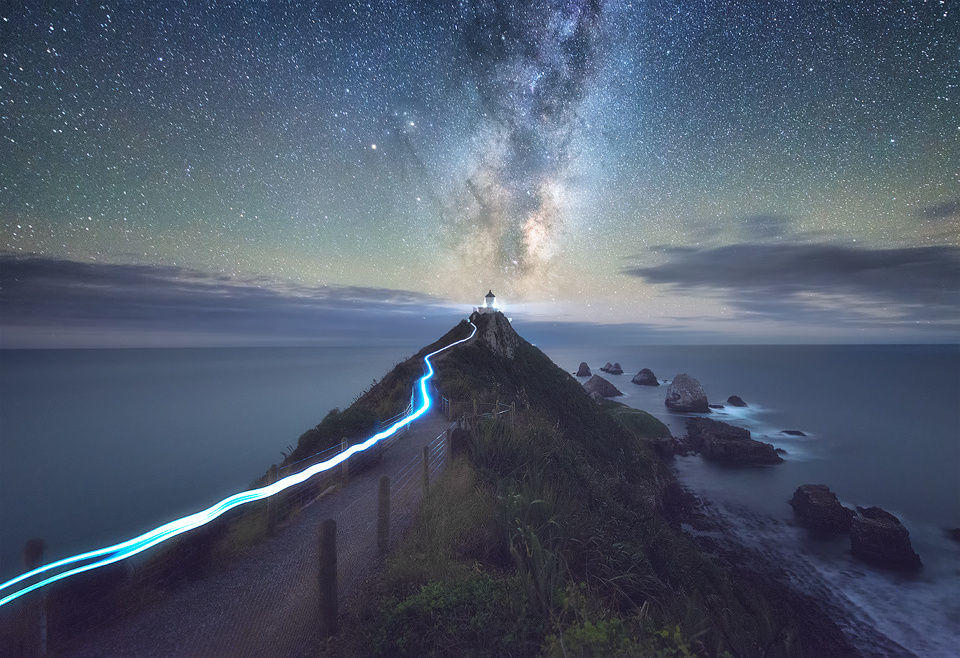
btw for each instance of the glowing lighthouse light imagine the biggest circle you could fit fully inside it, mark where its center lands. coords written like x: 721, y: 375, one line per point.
x: 489, y: 304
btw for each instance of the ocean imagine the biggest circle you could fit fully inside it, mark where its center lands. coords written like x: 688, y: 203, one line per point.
x: 98, y: 445
x: 883, y: 428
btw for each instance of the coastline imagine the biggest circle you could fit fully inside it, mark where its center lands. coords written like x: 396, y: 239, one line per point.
x: 713, y: 532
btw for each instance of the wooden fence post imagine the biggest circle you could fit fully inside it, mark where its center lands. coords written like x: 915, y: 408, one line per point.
x: 383, y: 516
x: 344, y: 465
x: 328, y: 578
x: 272, y: 502
x: 446, y: 445
x: 35, y: 615
x: 426, y: 469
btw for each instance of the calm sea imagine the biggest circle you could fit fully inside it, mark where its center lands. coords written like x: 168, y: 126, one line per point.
x: 883, y: 428
x: 98, y: 445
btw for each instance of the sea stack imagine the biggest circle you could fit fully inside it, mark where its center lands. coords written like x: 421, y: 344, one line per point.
x: 736, y: 401
x: 597, y: 386
x: 583, y: 370
x: 878, y: 537
x: 612, y: 368
x: 722, y: 442
x: 818, y: 508
x: 645, y: 378
x: 685, y: 394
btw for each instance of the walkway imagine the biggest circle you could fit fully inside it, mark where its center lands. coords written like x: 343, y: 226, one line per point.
x: 265, y: 601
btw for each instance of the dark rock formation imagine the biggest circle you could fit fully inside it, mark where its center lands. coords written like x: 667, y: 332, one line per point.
x: 878, y: 537
x: 495, y: 332
x: 583, y: 370
x: 645, y: 378
x: 954, y: 534
x: 597, y: 386
x: 736, y: 401
x: 792, y: 432
x: 612, y: 368
x: 721, y: 442
x: 715, y: 406
x: 668, y: 446
x: 685, y: 394
x: 780, y: 451
x: 818, y: 508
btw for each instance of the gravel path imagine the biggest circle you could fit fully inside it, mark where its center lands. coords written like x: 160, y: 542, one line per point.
x: 265, y: 601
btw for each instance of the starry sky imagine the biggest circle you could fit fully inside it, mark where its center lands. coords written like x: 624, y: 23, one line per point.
x: 709, y: 170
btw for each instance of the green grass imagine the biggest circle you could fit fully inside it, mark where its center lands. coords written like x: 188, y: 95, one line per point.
x: 550, y: 534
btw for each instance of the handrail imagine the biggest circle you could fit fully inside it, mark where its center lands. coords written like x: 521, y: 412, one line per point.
x: 117, y: 552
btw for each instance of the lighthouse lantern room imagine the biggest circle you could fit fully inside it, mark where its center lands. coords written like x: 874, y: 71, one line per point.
x: 489, y: 304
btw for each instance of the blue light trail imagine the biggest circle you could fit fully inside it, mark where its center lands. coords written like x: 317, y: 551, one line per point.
x: 131, y: 547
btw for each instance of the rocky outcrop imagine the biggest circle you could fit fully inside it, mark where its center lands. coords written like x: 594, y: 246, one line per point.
x: 612, y: 368
x: 819, y: 508
x: 645, y: 378
x: 721, y: 442
x: 597, y: 386
x: 496, y: 333
x: 715, y: 406
x: 685, y: 394
x: 583, y: 370
x: 736, y: 401
x: 878, y: 537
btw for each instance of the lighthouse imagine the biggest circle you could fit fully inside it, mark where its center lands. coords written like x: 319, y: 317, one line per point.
x: 489, y: 304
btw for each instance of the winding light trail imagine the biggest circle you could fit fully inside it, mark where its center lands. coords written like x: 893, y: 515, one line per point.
x: 131, y: 547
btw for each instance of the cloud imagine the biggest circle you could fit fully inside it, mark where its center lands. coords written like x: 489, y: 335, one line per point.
x: 945, y: 210
x: 820, y: 282
x: 48, y: 302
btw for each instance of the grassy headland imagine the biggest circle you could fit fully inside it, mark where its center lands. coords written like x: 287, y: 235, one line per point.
x: 553, y: 535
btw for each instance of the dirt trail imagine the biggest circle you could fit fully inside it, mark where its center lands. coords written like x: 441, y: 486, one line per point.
x: 265, y: 601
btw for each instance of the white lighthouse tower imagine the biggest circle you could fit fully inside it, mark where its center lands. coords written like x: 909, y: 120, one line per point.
x: 489, y: 304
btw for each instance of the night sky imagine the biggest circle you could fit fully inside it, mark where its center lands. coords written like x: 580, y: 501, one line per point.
x: 721, y: 170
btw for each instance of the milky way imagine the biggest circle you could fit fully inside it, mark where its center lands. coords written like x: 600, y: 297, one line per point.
x: 531, y: 64
x: 576, y: 156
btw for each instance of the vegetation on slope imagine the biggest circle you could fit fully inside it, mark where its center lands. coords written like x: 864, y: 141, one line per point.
x: 550, y: 536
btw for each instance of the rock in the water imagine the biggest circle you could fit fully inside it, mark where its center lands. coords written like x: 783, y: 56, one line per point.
x: 645, y: 378
x: 598, y: 386
x: 685, y: 394
x: 878, y: 537
x: 612, y: 368
x: 715, y: 406
x: 736, y: 401
x: 780, y: 451
x: 818, y: 508
x: 583, y: 370
x: 792, y: 432
x: 721, y: 442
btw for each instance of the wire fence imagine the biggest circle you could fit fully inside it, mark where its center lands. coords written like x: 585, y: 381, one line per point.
x: 261, y: 543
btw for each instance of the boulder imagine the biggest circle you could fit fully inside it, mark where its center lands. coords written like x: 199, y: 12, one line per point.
x: 792, y: 432
x: 736, y: 401
x: 583, y: 370
x: 878, y: 537
x: 818, y: 508
x: 612, y: 368
x: 597, y: 386
x: 645, y: 378
x: 718, y: 441
x: 685, y: 394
